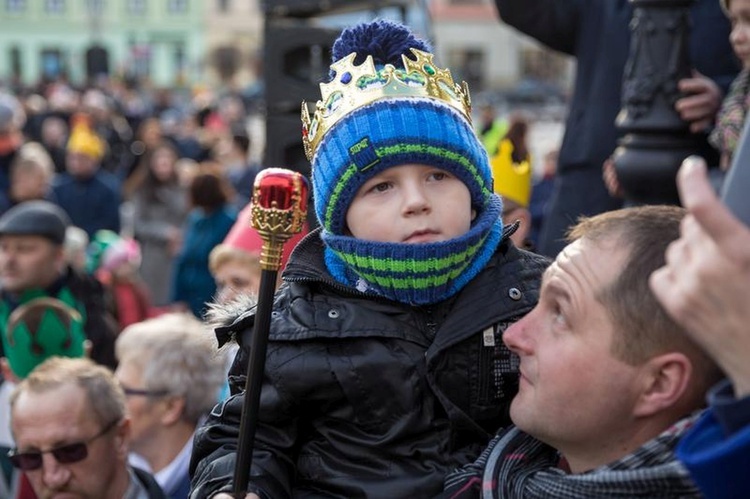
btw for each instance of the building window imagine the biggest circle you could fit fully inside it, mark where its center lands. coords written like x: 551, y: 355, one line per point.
x: 15, y: 63
x: 177, y: 6
x: 54, y: 6
x: 15, y: 6
x: 136, y: 7
x: 223, y: 5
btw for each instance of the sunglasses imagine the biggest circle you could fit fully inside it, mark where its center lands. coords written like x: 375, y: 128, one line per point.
x: 65, y: 454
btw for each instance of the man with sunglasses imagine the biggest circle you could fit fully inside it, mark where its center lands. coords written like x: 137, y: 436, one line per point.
x: 72, y: 434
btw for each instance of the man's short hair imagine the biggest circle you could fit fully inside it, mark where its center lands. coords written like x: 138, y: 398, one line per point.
x: 104, y: 394
x: 645, y: 329
x: 176, y: 354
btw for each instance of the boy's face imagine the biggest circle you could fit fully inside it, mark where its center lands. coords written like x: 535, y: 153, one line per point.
x: 411, y: 203
x: 739, y: 14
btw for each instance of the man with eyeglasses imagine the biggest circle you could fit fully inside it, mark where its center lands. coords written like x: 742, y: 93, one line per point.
x: 72, y: 434
x: 171, y: 375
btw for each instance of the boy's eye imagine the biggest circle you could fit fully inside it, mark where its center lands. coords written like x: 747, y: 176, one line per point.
x: 381, y: 187
x: 439, y: 175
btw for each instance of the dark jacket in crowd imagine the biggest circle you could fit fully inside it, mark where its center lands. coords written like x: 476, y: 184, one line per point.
x: 92, y: 204
x: 363, y: 396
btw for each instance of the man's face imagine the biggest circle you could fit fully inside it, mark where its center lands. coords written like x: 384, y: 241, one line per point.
x: 144, y: 409
x: 573, y: 393
x: 28, y: 262
x: 80, y: 165
x: 62, y: 416
x: 412, y: 204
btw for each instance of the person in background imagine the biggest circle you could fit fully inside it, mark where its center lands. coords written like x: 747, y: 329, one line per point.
x: 114, y: 261
x: 75, y: 248
x: 597, y: 34
x: 39, y: 329
x: 160, y: 206
x: 511, y: 173
x: 490, y: 128
x: 72, y: 433
x: 12, y: 119
x: 90, y: 195
x: 208, y: 222
x: 31, y: 175
x: 235, y: 263
x: 171, y: 373
x: 54, y: 138
x: 541, y: 190
x: 704, y: 286
x: 609, y: 383
x: 32, y: 265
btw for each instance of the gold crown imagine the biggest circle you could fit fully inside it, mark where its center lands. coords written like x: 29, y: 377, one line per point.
x: 357, y: 86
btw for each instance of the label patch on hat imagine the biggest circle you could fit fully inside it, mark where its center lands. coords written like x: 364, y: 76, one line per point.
x: 363, y: 154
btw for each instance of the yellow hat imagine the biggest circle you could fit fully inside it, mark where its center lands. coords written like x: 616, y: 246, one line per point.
x: 83, y: 140
x: 512, y: 180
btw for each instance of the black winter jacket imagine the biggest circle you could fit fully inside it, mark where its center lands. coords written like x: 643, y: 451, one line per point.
x: 366, y: 397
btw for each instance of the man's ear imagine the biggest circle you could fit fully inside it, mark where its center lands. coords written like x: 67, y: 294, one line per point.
x: 122, y: 437
x: 666, y: 379
x: 175, y: 407
x: 8, y: 373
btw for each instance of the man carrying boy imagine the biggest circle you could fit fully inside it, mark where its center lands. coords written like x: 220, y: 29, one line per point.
x: 385, y: 366
x: 609, y: 383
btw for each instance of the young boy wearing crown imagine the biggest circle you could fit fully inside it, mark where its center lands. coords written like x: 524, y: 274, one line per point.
x: 385, y: 365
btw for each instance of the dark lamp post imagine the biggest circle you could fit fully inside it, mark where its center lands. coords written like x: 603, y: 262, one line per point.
x: 655, y: 139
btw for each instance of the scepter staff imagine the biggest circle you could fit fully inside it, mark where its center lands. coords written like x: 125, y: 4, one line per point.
x: 279, y: 208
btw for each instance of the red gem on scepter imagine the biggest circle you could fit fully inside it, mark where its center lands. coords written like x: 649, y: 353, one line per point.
x: 276, y: 188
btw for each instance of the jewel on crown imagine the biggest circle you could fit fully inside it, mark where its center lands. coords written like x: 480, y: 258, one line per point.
x: 357, y: 86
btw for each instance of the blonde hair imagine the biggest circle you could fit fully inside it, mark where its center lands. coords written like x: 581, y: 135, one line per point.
x: 223, y: 253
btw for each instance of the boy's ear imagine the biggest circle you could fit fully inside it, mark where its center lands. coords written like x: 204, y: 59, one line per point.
x: 473, y: 214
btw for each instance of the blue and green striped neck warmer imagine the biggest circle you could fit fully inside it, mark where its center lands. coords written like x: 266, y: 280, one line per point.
x: 415, y: 274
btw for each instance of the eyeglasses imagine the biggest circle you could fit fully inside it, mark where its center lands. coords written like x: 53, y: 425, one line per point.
x: 65, y: 454
x: 141, y: 392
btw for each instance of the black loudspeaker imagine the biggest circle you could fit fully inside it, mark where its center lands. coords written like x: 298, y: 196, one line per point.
x: 284, y: 149
x: 97, y: 61
x: 284, y: 143
x: 309, y: 8
x: 297, y: 58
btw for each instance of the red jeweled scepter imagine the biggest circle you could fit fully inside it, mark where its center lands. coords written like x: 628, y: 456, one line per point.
x: 279, y: 208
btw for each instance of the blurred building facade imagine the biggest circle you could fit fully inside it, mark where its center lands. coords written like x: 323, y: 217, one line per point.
x: 162, y: 42
x: 488, y: 54
x: 220, y: 42
x: 234, y: 42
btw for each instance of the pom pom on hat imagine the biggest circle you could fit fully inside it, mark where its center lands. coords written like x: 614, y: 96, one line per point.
x: 386, y: 41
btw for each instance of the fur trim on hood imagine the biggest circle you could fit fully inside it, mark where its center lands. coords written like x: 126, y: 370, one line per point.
x: 227, y: 319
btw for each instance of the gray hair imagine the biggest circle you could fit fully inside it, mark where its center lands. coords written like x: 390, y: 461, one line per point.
x: 175, y: 353
x: 105, y: 396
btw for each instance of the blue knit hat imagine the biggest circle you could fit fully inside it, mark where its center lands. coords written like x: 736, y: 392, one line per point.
x: 396, y: 129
